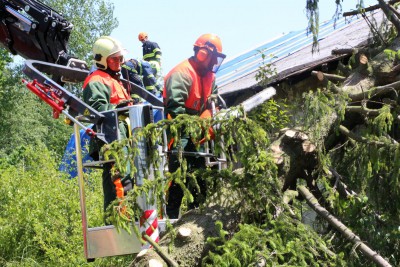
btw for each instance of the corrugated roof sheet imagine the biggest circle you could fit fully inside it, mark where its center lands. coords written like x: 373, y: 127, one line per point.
x: 292, y: 50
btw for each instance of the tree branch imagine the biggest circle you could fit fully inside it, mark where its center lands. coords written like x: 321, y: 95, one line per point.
x: 330, y: 77
x: 370, y: 8
x: 341, y: 187
x: 341, y: 51
x: 346, y: 232
x: 323, y: 78
x: 346, y: 70
x: 358, y: 138
x: 159, y: 251
x: 363, y: 110
x: 389, y: 14
x: 394, y: 11
x: 375, y: 91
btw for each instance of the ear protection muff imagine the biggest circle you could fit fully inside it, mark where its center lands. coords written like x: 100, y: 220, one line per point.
x: 202, y: 54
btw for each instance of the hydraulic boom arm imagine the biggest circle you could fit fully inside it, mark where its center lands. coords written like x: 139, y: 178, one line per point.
x: 40, y: 34
x: 34, y: 31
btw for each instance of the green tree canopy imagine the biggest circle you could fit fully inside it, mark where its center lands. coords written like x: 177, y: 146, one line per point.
x: 91, y: 19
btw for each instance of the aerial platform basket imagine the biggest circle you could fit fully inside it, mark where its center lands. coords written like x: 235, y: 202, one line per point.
x: 100, y: 241
x: 106, y: 240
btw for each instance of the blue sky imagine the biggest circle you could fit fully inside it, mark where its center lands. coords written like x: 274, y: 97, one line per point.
x: 242, y: 25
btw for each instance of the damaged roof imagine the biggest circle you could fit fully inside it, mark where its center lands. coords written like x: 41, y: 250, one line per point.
x: 291, y: 54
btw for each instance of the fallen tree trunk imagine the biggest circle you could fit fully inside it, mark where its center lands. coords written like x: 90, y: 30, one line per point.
x: 363, y: 110
x: 346, y: 232
x: 295, y: 156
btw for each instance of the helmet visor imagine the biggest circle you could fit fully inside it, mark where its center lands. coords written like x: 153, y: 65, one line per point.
x: 120, y: 55
x: 217, y: 63
x: 217, y: 56
x: 121, y: 52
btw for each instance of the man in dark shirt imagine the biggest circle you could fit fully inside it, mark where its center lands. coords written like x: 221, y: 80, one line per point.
x: 140, y: 72
x: 152, y: 54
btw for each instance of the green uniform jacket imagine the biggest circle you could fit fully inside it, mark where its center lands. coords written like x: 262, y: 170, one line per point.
x: 103, y: 92
x: 177, y: 89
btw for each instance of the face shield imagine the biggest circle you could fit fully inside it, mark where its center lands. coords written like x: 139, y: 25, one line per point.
x: 217, y: 58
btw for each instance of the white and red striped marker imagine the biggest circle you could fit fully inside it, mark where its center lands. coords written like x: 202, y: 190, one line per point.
x: 149, y: 225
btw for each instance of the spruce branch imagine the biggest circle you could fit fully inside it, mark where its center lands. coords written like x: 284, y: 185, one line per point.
x: 345, y: 231
x: 358, y: 138
x: 160, y: 252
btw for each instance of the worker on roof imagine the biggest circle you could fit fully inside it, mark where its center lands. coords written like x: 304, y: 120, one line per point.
x: 187, y: 88
x: 140, y: 72
x: 103, y: 91
x: 152, y: 54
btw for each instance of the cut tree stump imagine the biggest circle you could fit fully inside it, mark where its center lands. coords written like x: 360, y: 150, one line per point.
x: 192, y: 231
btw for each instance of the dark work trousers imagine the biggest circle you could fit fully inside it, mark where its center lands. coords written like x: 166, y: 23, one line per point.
x: 175, y: 193
x: 109, y: 188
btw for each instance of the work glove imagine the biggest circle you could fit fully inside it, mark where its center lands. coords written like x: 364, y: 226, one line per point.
x: 127, y: 184
x: 115, y: 175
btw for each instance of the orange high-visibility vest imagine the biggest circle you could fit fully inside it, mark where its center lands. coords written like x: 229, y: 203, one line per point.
x: 118, y: 92
x: 200, y: 89
x: 119, y: 188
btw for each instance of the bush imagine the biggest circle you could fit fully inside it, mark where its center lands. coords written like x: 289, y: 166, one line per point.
x: 40, y: 219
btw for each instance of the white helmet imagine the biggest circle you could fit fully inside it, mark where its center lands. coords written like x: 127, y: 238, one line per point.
x: 103, y: 48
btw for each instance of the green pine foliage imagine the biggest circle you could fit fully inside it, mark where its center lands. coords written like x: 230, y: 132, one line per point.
x: 370, y: 169
x: 373, y: 212
x: 268, y: 231
x: 238, y: 130
x: 279, y: 242
x: 272, y: 115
